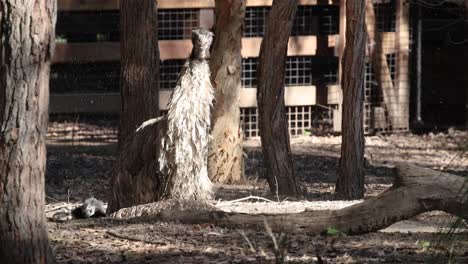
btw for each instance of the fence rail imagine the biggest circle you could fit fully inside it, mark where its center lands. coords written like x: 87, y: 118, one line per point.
x: 109, y: 103
x: 99, y: 5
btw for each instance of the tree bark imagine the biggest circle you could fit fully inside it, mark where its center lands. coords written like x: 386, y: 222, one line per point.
x: 135, y: 176
x: 414, y: 191
x: 466, y: 88
x: 270, y: 98
x: 27, y: 33
x: 139, y: 74
x: 350, y: 183
x: 134, y: 173
x: 225, y: 162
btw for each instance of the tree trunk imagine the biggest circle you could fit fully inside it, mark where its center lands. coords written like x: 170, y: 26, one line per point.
x: 139, y: 74
x: 225, y: 162
x: 27, y: 33
x: 270, y: 98
x: 350, y: 183
x: 466, y: 88
x: 415, y: 190
x: 135, y: 175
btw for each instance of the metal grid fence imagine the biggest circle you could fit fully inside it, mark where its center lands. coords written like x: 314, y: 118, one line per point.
x: 309, y: 20
x: 299, y: 120
x: 177, y: 23
x: 386, y: 16
x: 168, y: 72
x: 376, y: 118
x: 299, y: 71
x: 249, y: 72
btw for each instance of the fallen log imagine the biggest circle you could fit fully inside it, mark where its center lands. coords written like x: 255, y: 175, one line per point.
x: 415, y: 190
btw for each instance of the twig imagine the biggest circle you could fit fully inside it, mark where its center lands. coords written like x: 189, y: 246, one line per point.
x: 48, y: 197
x: 277, y: 191
x: 250, y: 198
x: 252, y: 249
x: 58, y: 207
x: 68, y: 195
x: 117, y: 235
x: 270, y: 233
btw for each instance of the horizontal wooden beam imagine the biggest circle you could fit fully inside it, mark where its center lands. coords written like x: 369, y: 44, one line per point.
x: 110, y: 51
x: 173, y: 49
x: 94, y: 103
x: 87, y: 5
x: 86, y: 52
x: 100, y: 5
x: 335, y: 95
x: 85, y: 103
x: 293, y: 96
x: 297, y: 46
x: 109, y: 103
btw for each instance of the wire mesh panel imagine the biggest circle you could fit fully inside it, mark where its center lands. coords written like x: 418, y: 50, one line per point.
x: 298, y: 71
x: 177, y: 23
x: 385, y: 14
x: 169, y: 70
x: 303, y: 22
x: 85, y: 77
x: 87, y: 26
x: 375, y: 115
x: 299, y: 120
x: 249, y: 72
x: 255, y: 18
x: 309, y: 20
x: 370, y: 88
x: 328, y: 19
x: 324, y: 69
x: 391, y: 61
x: 249, y: 121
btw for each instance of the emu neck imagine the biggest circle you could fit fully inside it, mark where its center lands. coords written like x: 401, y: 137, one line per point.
x: 199, y: 53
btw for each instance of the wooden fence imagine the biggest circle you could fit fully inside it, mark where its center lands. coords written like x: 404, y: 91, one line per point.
x: 326, y: 46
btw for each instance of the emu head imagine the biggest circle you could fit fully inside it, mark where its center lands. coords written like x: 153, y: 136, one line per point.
x: 201, y: 40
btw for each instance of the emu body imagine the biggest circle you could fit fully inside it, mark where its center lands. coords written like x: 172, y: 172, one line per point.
x: 184, y: 154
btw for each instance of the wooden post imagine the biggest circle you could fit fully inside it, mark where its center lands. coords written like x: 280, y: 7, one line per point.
x: 337, y: 113
x: 402, y: 65
x: 380, y: 65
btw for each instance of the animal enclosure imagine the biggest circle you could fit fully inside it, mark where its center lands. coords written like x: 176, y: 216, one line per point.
x: 85, y: 73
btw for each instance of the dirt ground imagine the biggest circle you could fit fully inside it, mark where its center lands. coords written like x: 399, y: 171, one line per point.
x: 80, y: 157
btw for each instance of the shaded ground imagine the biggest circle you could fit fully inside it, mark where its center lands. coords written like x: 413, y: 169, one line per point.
x: 80, y: 156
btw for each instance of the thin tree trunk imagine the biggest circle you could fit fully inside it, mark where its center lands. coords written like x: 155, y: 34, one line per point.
x: 225, y: 162
x: 139, y: 75
x: 27, y: 32
x: 270, y: 97
x: 350, y: 183
x: 466, y: 88
x: 134, y: 176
